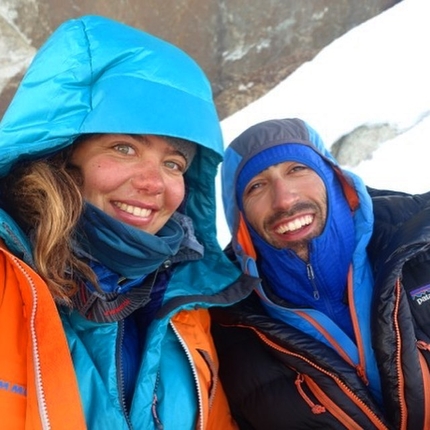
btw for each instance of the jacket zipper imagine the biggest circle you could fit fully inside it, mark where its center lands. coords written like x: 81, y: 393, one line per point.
x: 214, y: 372
x: 39, y: 384
x: 368, y: 412
x: 337, y: 411
x: 335, y: 345
x: 426, y: 382
x: 155, y: 416
x: 196, y: 379
x: 316, y: 409
x: 400, y: 379
x: 120, y: 374
x: 361, y: 366
x: 311, y: 276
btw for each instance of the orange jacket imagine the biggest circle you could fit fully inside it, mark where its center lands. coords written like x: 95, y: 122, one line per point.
x: 194, y: 329
x: 38, y: 388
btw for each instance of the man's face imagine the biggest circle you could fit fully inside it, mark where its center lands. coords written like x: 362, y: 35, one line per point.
x: 286, y: 204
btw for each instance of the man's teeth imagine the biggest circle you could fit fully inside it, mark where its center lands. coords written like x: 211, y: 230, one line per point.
x: 295, y: 225
x: 136, y: 211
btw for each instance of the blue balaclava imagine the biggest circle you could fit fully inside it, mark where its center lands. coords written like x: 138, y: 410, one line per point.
x: 330, y: 254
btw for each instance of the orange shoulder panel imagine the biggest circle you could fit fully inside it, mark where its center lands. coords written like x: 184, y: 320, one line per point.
x: 194, y: 329
x: 38, y: 387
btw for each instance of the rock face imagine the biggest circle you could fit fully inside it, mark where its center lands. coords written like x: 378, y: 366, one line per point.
x: 245, y: 48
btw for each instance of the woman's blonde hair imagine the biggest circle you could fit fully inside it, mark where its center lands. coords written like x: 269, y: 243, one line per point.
x: 43, y: 197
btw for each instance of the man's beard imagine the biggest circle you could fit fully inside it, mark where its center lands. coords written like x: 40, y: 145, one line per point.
x: 300, y: 247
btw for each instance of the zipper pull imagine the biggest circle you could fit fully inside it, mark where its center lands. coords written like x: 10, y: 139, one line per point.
x: 315, y: 408
x: 362, y: 374
x: 158, y: 424
x: 423, y: 345
x: 311, y: 277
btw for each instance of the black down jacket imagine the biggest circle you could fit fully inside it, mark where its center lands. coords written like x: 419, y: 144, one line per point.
x: 277, y: 377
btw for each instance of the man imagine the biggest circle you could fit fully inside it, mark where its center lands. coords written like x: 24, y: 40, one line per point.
x: 334, y: 335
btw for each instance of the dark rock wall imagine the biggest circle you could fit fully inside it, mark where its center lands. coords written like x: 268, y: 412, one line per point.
x: 246, y: 48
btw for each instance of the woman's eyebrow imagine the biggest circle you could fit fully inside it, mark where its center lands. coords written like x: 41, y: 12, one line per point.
x: 140, y: 137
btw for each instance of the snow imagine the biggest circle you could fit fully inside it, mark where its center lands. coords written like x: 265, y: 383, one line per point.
x: 377, y: 74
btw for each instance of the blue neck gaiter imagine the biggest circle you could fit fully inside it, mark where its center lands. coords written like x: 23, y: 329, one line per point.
x: 124, y: 249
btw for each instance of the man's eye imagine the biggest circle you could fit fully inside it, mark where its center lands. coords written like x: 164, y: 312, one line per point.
x: 124, y: 148
x: 253, y: 187
x: 299, y: 168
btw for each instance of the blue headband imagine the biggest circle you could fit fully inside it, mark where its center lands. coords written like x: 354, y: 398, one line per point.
x: 297, y: 152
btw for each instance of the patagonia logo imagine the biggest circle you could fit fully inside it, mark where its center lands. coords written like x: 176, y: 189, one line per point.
x: 421, y: 294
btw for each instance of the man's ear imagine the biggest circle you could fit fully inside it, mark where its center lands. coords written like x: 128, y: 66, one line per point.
x: 348, y: 189
x: 244, y: 238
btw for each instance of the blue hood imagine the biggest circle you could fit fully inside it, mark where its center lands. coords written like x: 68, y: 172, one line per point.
x: 272, y: 133
x: 96, y: 75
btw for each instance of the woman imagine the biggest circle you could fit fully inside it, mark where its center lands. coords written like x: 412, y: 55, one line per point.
x: 110, y: 148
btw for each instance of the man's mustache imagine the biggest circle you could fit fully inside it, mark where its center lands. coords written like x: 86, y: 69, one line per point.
x: 293, y: 211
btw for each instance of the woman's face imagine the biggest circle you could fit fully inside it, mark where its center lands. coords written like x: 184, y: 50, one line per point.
x: 136, y: 179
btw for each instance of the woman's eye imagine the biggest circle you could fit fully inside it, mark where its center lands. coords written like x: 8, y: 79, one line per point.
x: 124, y: 148
x: 175, y: 165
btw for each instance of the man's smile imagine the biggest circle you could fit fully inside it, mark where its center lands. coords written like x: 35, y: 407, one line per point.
x: 295, y: 224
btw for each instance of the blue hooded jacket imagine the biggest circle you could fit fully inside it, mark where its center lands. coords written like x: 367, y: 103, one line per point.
x: 258, y: 143
x: 95, y: 75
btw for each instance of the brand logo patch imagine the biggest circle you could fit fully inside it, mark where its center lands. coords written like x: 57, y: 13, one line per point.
x: 421, y: 294
x: 13, y: 388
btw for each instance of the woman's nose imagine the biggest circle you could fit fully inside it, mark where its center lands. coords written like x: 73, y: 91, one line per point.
x: 149, y: 179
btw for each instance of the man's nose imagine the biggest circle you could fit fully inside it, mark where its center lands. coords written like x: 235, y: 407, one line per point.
x: 148, y: 178
x: 283, y: 194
